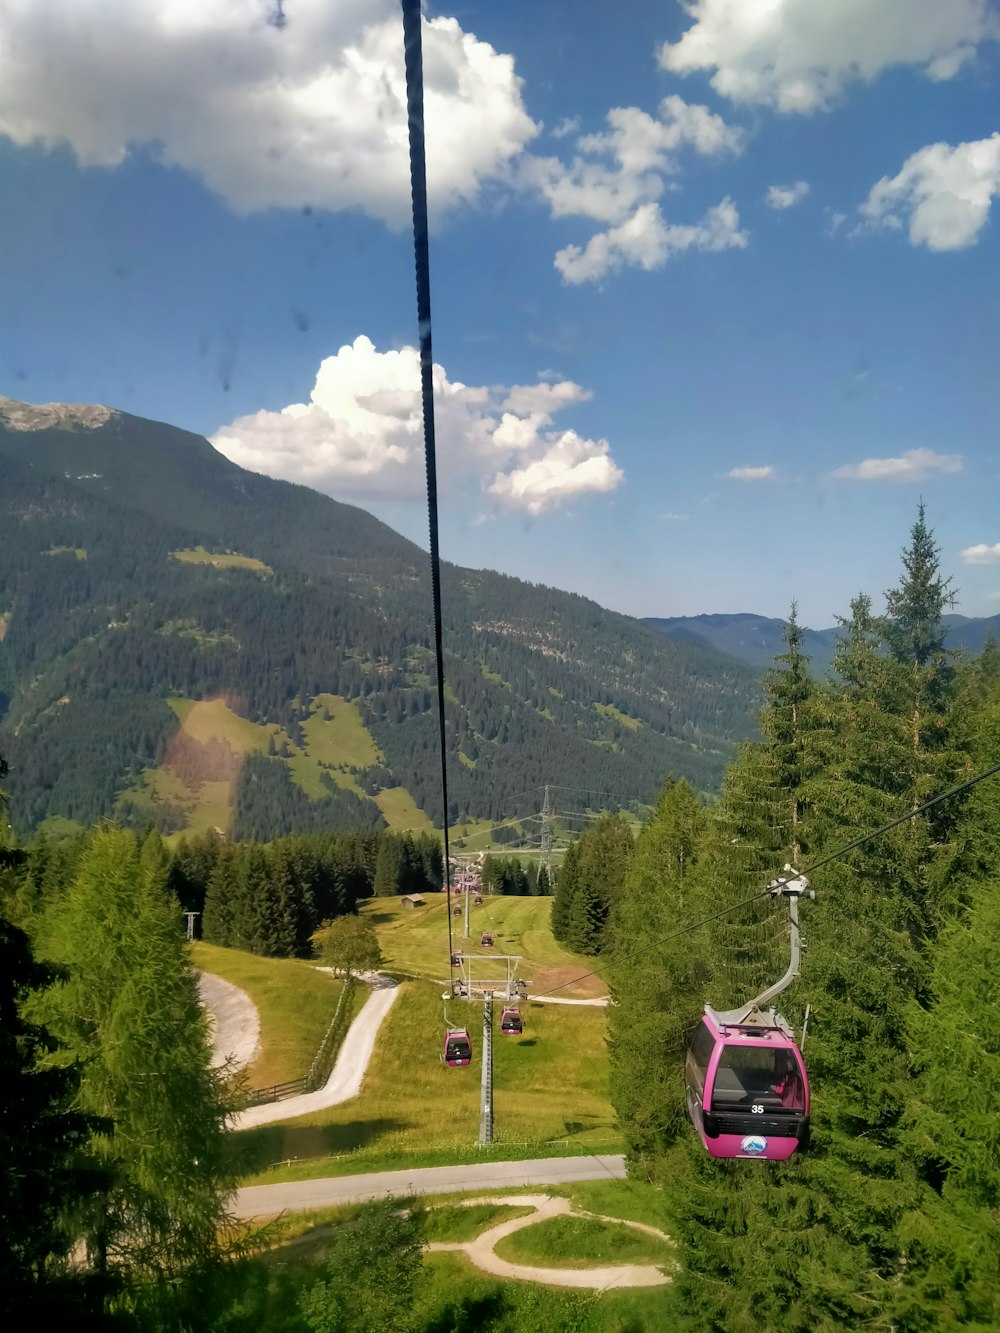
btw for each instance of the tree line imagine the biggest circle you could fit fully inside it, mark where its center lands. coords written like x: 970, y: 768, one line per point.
x: 890, y: 1219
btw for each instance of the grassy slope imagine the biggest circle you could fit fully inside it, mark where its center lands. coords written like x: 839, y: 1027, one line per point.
x: 402, y: 812
x: 230, y: 560
x: 294, y: 1000
x: 550, y: 1093
x: 415, y: 940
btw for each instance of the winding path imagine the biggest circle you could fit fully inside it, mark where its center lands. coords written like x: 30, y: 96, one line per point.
x: 482, y: 1250
x: 234, y: 1023
x: 348, y: 1071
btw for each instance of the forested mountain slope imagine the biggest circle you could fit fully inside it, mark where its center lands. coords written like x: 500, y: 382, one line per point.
x: 143, y: 575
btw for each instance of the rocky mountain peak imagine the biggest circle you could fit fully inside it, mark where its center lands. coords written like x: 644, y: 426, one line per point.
x: 41, y: 416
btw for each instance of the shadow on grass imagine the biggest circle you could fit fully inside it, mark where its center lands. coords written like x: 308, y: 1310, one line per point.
x: 468, y: 1314
x: 379, y: 918
x: 528, y: 1041
x: 254, y: 1150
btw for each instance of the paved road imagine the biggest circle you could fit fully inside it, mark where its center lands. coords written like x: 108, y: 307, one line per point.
x: 266, y: 1200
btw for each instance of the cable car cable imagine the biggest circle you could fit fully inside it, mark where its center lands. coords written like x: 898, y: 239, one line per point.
x: 806, y: 870
x: 413, y: 60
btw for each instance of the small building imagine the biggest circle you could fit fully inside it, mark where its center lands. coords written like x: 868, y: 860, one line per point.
x: 413, y: 900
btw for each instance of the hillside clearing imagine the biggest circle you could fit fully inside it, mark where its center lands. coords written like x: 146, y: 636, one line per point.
x: 220, y: 560
x: 415, y: 942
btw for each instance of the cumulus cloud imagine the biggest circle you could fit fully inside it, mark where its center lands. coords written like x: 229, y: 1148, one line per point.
x: 615, y: 171
x: 787, y: 196
x: 912, y: 465
x: 310, y: 110
x: 618, y: 176
x: 361, y: 435
x: 750, y: 473
x: 797, y: 55
x: 982, y: 555
x: 644, y: 240
x: 942, y: 193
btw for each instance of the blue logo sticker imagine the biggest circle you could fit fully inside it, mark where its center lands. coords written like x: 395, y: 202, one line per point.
x: 753, y: 1145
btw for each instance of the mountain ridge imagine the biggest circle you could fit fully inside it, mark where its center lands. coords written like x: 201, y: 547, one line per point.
x: 757, y: 640
x: 140, y: 569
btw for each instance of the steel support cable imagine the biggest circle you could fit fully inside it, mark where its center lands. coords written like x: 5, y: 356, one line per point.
x: 806, y: 870
x: 413, y: 59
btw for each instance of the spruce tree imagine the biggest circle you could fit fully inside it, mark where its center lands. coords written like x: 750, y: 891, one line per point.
x: 656, y: 979
x: 219, y: 917
x: 565, y: 892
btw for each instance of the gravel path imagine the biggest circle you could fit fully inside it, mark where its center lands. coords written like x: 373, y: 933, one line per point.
x: 348, y: 1071
x: 234, y: 1023
x: 600, y: 1002
x: 482, y: 1250
x: 298, y: 1195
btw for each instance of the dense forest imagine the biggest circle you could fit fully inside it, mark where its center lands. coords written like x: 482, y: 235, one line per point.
x: 890, y: 1219
x: 112, y: 611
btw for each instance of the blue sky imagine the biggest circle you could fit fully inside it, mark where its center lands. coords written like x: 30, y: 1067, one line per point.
x: 656, y: 388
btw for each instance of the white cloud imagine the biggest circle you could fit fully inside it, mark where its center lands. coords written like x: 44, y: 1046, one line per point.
x: 797, y: 55
x: 944, y: 192
x: 911, y: 465
x: 361, y: 435
x: 308, y: 112
x: 787, y: 196
x: 982, y: 555
x: 750, y: 473
x: 993, y: 596
x: 568, y: 125
x: 614, y: 172
x: 646, y: 241
x: 672, y: 517
x: 570, y: 466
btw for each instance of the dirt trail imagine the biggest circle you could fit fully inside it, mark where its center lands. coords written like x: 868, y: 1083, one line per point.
x: 234, y: 1022
x: 348, y: 1071
x: 481, y: 1251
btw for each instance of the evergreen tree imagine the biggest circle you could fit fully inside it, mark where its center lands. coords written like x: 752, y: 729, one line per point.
x: 388, y: 864
x: 219, y: 919
x: 952, y: 1237
x: 45, y: 1179
x: 587, y: 917
x: 128, y: 1011
x: 565, y: 892
x: 657, y: 989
